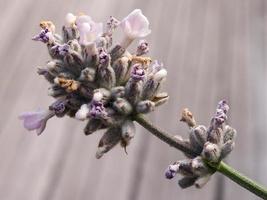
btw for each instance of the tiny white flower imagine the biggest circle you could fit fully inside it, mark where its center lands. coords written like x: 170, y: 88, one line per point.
x: 88, y: 29
x: 82, y: 113
x: 70, y: 19
x: 134, y: 26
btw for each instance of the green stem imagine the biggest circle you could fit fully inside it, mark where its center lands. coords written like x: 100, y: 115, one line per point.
x: 222, y: 167
x: 242, y: 180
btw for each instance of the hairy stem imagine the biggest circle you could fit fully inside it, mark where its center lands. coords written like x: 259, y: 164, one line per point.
x: 222, y: 167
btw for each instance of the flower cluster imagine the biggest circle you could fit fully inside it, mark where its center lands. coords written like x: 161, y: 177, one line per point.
x: 94, y: 80
x: 208, y: 144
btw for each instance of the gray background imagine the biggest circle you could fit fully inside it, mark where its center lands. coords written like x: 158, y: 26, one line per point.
x: 213, y: 49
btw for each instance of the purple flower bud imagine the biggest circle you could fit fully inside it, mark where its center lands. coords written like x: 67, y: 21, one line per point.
x: 58, y: 107
x: 103, y: 57
x: 97, y: 110
x: 36, y: 120
x: 138, y: 73
x: 220, y: 115
x: 222, y: 105
x: 171, y: 171
x: 45, y: 36
x: 61, y: 49
x: 142, y: 48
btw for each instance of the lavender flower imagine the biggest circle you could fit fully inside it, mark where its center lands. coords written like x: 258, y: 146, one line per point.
x: 220, y: 115
x: 70, y: 19
x: 171, y: 170
x: 134, y: 26
x: 97, y: 110
x: 103, y: 57
x: 96, y: 81
x: 138, y: 73
x: 45, y: 36
x: 61, y: 50
x: 36, y: 120
x: 88, y: 29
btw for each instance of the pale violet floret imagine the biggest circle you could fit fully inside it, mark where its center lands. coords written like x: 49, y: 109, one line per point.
x: 36, y: 120
x: 88, y: 29
x: 70, y: 19
x: 134, y: 26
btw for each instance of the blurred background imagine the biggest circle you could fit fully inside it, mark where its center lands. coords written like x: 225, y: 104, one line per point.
x: 212, y: 49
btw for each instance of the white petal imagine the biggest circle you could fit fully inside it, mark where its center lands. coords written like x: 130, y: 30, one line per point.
x: 83, y: 19
x: 70, y: 19
x: 98, y: 96
x: 135, y: 25
x: 81, y: 114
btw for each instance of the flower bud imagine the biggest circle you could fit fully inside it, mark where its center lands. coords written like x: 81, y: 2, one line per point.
x: 133, y: 91
x: 56, y: 91
x: 121, y: 68
x: 97, y: 110
x: 227, y: 148
x: 211, y: 152
x: 75, y: 46
x: 150, y: 88
x: 185, y: 167
x: 55, y: 67
x: 117, y: 92
x: 172, y: 170
x: 46, y: 73
x: 145, y: 106
x: 69, y: 33
x: 215, y: 136
x: 105, y: 73
x: 59, y: 107
x: 122, y: 106
x: 104, y: 93
x: 110, y: 138
x: 116, y: 52
x: 198, y: 137
x: 87, y: 75
x: 73, y: 62
x: 229, y: 133
x: 90, y: 55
